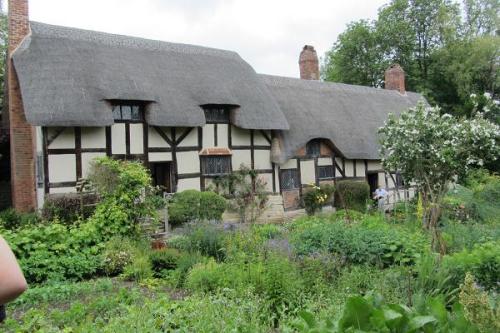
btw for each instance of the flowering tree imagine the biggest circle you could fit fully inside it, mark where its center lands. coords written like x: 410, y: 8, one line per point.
x: 430, y: 149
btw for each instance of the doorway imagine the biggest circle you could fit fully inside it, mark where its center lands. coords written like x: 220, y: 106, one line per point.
x: 161, y: 173
x: 373, y: 182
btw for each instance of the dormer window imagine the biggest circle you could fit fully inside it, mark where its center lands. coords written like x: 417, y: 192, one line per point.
x: 216, y: 115
x: 313, y: 148
x: 127, y: 112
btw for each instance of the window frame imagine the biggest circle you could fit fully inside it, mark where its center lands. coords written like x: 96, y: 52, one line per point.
x: 320, y: 167
x: 208, y: 109
x: 130, y: 104
x: 204, y: 165
x: 312, y: 153
x: 288, y: 172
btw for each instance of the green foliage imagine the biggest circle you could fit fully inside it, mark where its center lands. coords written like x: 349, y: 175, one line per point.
x: 68, y: 208
x: 164, y: 259
x: 478, y: 306
x: 447, y: 52
x: 372, y: 241
x: 246, y: 192
x: 483, y: 261
x: 12, y: 220
x: 56, y: 252
x: 372, y: 314
x: 317, y: 197
x: 208, y: 240
x: 192, y: 205
x: 118, y: 252
x: 352, y: 195
x: 139, y: 269
x: 459, y: 236
x: 357, y: 45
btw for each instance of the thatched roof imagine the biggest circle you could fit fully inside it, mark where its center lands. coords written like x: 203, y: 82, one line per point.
x: 67, y: 76
x: 347, y: 115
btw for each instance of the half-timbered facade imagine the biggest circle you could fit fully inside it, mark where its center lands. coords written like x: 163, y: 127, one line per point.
x: 189, y: 113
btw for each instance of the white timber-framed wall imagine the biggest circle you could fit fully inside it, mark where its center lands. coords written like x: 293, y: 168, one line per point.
x: 307, y: 171
x: 67, y: 152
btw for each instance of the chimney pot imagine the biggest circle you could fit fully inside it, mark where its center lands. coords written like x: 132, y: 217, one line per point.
x: 395, y: 78
x: 308, y: 63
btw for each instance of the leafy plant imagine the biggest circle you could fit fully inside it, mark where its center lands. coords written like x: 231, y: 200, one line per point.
x: 477, y: 306
x: 118, y: 252
x: 352, y: 195
x: 164, y: 259
x: 317, y: 197
x: 192, y: 205
x: 245, y: 191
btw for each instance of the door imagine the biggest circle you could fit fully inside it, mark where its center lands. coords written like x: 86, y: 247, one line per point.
x: 161, y: 173
x: 373, y: 182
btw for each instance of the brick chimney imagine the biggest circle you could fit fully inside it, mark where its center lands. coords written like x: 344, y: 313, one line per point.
x: 308, y: 63
x: 22, y: 134
x: 395, y: 78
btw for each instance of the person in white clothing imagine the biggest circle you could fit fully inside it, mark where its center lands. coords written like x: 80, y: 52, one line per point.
x: 380, y: 195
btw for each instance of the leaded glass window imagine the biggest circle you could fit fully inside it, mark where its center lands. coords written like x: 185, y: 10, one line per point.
x: 214, y: 115
x: 289, y: 179
x: 313, y: 148
x: 216, y: 165
x: 127, y: 112
x: 325, y: 172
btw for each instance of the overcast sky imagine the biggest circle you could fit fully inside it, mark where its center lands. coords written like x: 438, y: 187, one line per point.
x: 268, y: 34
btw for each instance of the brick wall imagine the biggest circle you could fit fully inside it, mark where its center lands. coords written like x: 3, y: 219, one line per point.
x: 308, y: 63
x: 22, y: 134
x: 291, y: 199
x: 395, y: 78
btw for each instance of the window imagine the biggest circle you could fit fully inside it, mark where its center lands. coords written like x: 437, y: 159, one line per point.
x: 325, y: 172
x: 215, y: 165
x: 289, y: 179
x: 214, y: 115
x: 313, y: 148
x: 127, y: 112
x: 399, y: 180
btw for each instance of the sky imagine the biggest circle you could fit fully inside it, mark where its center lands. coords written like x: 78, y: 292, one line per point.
x: 268, y: 34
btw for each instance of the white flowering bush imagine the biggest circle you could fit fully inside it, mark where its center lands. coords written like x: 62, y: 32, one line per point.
x: 430, y: 149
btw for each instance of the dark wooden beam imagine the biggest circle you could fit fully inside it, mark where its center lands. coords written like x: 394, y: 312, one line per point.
x: 78, y: 152
x: 164, y: 136
x: 268, y: 139
x: 45, y: 160
x: 183, y: 136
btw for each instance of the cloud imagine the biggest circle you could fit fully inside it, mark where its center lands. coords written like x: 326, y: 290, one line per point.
x: 269, y: 34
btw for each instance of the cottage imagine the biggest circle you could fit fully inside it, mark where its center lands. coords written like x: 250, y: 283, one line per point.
x: 189, y: 113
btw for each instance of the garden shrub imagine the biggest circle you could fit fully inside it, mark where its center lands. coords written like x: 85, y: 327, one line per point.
x: 192, y: 205
x: 184, y: 264
x: 483, y: 261
x: 11, y: 220
x: 478, y: 307
x: 118, y: 252
x: 351, y: 194
x: 459, y: 236
x: 370, y: 241
x: 139, y: 269
x: 317, y: 197
x: 68, y: 207
x: 56, y: 251
x: 164, y: 259
x: 207, y: 239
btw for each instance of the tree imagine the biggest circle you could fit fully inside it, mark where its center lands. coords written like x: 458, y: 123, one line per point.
x: 430, y: 150
x: 481, y: 17
x: 356, y: 57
